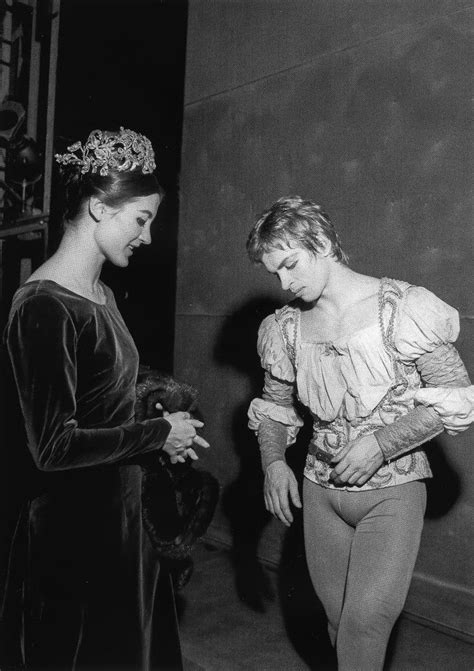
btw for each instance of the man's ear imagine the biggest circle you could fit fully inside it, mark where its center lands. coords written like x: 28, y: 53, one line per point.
x: 96, y: 208
x: 326, y: 247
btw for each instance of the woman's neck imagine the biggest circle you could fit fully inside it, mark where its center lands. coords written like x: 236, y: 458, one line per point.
x: 77, y: 256
x: 75, y: 265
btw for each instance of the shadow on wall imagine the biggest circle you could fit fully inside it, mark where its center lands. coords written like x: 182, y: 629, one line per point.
x: 242, y: 500
x: 444, y: 488
x: 243, y: 503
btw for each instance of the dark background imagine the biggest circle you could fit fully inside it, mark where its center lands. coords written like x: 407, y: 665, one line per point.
x: 121, y: 63
x: 363, y: 106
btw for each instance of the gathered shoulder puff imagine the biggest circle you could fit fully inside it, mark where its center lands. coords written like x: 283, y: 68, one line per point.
x: 424, y: 323
x: 272, y: 350
x: 454, y: 406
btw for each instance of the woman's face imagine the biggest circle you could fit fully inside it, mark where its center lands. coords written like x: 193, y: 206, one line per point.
x: 300, y: 271
x: 120, y: 232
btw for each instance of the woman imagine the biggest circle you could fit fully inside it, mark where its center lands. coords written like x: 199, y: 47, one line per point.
x: 91, y: 595
x: 354, y: 350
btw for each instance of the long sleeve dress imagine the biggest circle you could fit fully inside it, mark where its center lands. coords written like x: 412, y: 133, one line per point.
x: 83, y: 579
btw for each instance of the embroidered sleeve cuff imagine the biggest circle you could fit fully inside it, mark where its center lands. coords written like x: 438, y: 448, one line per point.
x: 261, y: 410
x: 454, y: 406
x: 443, y: 367
x: 410, y: 431
x: 272, y: 440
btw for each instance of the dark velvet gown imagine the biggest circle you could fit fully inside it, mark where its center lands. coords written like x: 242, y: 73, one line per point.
x: 83, y: 589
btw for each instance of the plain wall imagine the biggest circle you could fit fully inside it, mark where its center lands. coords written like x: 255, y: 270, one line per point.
x: 364, y: 107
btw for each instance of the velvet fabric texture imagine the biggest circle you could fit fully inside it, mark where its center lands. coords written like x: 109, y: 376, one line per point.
x: 84, y: 589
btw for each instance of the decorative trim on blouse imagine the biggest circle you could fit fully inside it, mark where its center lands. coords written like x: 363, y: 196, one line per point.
x: 288, y: 321
x: 367, y: 383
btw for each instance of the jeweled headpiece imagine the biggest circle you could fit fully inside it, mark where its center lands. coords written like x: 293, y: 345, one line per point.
x: 105, y: 150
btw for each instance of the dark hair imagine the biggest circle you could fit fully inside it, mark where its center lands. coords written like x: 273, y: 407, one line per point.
x: 293, y: 220
x: 114, y: 189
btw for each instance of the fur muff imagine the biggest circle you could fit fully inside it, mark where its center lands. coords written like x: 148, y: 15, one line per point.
x: 178, y: 500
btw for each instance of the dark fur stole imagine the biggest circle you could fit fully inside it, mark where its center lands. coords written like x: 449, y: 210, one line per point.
x: 178, y: 500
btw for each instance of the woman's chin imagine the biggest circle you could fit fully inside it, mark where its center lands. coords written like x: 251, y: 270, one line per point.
x: 120, y: 261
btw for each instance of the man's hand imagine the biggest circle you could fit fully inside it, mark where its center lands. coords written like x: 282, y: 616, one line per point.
x: 279, y: 488
x: 357, y: 462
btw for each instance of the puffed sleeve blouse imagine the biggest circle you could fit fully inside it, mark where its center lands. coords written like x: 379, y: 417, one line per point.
x: 454, y: 406
x: 355, y: 384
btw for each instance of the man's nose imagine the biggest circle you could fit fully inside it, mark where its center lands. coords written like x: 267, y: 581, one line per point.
x: 284, y: 281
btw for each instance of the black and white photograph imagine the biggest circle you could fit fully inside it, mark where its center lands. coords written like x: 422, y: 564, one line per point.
x: 236, y: 335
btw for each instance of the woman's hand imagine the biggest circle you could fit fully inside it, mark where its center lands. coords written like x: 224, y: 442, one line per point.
x: 182, y: 436
x: 280, y: 486
x: 357, y: 462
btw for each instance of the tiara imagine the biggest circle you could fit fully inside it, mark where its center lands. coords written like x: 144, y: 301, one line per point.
x: 105, y: 150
